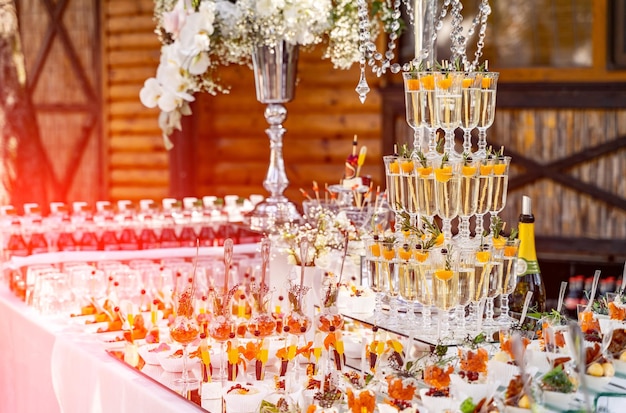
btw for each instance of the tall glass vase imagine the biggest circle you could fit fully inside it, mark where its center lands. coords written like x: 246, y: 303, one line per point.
x: 275, y: 71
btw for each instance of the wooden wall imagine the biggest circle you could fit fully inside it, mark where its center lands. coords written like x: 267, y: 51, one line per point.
x: 137, y: 161
x: 231, y: 149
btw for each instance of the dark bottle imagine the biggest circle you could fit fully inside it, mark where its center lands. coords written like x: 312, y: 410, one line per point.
x: 528, y: 272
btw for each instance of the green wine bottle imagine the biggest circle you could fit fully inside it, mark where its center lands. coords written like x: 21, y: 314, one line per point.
x: 528, y: 272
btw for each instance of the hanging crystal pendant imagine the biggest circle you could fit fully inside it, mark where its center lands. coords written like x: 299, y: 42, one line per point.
x: 362, y: 88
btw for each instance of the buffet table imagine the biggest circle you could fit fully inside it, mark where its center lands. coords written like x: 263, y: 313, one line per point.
x: 45, y: 366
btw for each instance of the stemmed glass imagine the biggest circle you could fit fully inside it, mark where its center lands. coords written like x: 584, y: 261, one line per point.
x: 221, y: 325
x: 415, y: 106
x: 425, y: 187
x: 494, y: 286
x: 297, y: 322
x: 407, y: 273
x: 470, y: 105
x: 487, y: 109
x: 373, y: 255
x: 469, y: 195
x: 448, y: 85
x: 423, y: 285
x: 447, y: 192
x: 427, y: 85
x: 481, y: 274
x: 509, y: 272
x: 485, y: 188
x: 500, y: 185
x: 445, y: 286
x: 408, y: 186
x: 185, y: 329
x: 394, y: 186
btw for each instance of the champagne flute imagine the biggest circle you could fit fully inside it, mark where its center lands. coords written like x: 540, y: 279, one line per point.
x: 469, y: 195
x: 373, y: 256
x: 487, y: 109
x: 500, y: 186
x: 427, y: 86
x: 423, y: 285
x: 485, y: 188
x: 408, y: 187
x: 390, y: 278
x: 482, y: 272
x: 509, y: 273
x: 425, y: 187
x: 470, y: 105
x: 445, y: 286
x: 494, y: 288
x: 394, y: 187
x: 415, y: 107
x: 447, y: 192
x: 448, y: 85
x: 407, y: 273
x: 467, y: 283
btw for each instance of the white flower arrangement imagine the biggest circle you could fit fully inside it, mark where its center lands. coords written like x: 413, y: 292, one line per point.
x: 325, y: 232
x: 200, y: 36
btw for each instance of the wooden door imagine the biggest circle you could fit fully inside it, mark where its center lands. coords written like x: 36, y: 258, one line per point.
x: 62, y: 49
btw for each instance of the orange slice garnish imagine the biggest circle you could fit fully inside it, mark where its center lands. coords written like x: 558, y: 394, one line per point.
x: 375, y: 250
x: 469, y: 171
x: 483, y: 256
x: 467, y: 83
x: 499, y: 168
x: 440, y: 239
x: 485, y: 82
x: 486, y: 169
x: 413, y: 84
x: 389, y: 253
x: 445, y: 83
x: 443, y: 174
x: 421, y: 256
x: 425, y: 170
x: 428, y: 82
x: 444, y: 275
x: 510, y: 251
x: 407, y: 166
x: 499, y: 242
x: 404, y: 254
x: 394, y: 167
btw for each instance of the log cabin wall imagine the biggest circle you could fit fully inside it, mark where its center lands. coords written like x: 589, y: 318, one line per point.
x: 224, y: 148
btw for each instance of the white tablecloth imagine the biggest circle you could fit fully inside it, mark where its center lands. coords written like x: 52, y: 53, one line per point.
x: 48, y: 366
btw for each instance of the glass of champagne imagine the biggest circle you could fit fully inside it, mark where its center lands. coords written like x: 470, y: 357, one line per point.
x: 407, y: 273
x: 467, y: 283
x: 390, y: 278
x: 500, y: 185
x: 415, y: 106
x: 470, y: 105
x: 423, y: 285
x: 427, y: 86
x: 425, y: 187
x: 494, y: 288
x: 482, y: 272
x: 408, y: 186
x: 394, y: 186
x: 469, y: 195
x: 448, y: 85
x: 447, y: 192
x: 487, y: 109
x: 509, y: 274
x: 445, y: 286
x: 373, y: 256
x: 485, y: 188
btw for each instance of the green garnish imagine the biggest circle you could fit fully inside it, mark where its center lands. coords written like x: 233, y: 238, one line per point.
x: 557, y: 380
x: 468, y: 406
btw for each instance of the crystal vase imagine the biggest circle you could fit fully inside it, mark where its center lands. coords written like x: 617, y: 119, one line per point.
x: 275, y: 71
